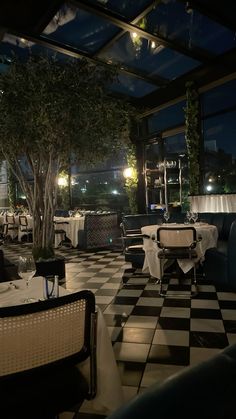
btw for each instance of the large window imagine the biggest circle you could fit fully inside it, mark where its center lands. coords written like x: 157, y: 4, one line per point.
x: 220, y: 153
x: 166, y: 118
x: 219, y: 133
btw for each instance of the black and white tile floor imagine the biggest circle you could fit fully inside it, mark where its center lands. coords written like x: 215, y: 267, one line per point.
x: 153, y: 337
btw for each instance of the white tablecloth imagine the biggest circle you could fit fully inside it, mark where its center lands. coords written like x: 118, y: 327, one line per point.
x: 71, y: 225
x: 109, y: 390
x: 17, y: 233
x: 209, y: 234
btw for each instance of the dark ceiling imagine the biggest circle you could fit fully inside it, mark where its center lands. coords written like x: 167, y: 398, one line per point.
x: 156, y: 45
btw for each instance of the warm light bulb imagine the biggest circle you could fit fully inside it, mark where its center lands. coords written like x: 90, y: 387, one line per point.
x: 62, y: 181
x: 128, y: 172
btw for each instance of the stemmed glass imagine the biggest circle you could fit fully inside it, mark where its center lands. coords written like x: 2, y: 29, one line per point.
x: 189, y: 216
x: 194, y: 216
x: 26, y: 270
x: 166, y: 216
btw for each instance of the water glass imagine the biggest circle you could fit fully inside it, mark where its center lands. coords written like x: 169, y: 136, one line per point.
x: 188, y: 216
x: 26, y: 270
x: 166, y: 216
x: 194, y: 216
x: 50, y: 287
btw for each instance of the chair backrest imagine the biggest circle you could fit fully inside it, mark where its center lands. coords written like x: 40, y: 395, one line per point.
x: 47, y: 333
x: 10, y: 219
x: 174, y: 237
x: 23, y: 221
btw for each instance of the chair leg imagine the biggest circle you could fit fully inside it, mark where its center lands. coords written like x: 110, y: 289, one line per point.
x: 195, y: 293
x: 161, y: 278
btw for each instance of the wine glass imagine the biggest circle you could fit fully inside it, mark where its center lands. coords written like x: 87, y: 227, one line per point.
x: 188, y: 216
x: 26, y: 270
x: 166, y: 216
x: 194, y: 216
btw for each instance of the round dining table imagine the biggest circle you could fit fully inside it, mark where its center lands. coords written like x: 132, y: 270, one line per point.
x: 207, y: 232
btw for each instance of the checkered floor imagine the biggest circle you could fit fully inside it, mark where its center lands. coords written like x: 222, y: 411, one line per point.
x: 153, y: 337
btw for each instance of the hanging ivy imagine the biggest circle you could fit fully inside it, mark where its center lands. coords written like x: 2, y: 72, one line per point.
x: 131, y: 183
x: 192, y: 137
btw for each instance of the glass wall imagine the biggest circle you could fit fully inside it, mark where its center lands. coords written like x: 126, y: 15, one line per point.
x: 100, y: 190
x: 218, y: 122
x: 219, y: 134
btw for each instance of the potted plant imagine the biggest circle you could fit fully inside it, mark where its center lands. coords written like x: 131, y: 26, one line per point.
x: 52, y: 112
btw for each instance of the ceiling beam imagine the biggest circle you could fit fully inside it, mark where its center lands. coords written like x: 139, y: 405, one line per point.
x: 195, y: 53
x: 202, y: 75
x: 115, y: 38
x: 75, y: 53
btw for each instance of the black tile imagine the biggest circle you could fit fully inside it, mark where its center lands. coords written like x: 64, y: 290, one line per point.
x: 150, y: 293
x: 172, y: 323
x: 132, y: 287
x: 206, y: 296
x: 205, y: 313
x: 230, y: 326
x: 179, y: 287
x: 146, y: 311
x: 125, y: 300
x: 168, y: 354
x: 227, y: 304
x: 208, y: 340
x: 135, y: 334
x: 176, y: 302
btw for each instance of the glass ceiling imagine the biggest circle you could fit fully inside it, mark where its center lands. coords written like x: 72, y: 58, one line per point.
x: 152, y: 43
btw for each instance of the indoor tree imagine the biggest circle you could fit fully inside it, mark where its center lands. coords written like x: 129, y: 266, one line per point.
x: 51, y: 111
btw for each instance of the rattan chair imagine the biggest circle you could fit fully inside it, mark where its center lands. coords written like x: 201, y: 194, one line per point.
x: 41, y: 346
x: 11, y: 229
x: 177, y: 243
x: 24, y: 229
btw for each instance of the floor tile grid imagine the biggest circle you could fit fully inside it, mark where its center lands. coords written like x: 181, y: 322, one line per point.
x: 152, y: 337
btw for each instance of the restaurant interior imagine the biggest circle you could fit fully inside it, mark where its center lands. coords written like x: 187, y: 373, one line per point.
x: 150, y: 234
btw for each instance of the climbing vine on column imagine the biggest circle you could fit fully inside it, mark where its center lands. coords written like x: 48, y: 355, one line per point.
x: 131, y: 182
x: 192, y: 137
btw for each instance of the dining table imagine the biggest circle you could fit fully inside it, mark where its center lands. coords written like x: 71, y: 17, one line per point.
x: 71, y: 226
x: 109, y: 394
x: 207, y: 233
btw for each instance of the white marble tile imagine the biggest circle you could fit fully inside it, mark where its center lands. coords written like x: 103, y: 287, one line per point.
x: 179, y: 312
x: 157, y: 373
x: 149, y: 322
x: 207, y: 325
x: 133, y: 352
x: 171, y: 337
x: 212, y: 304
